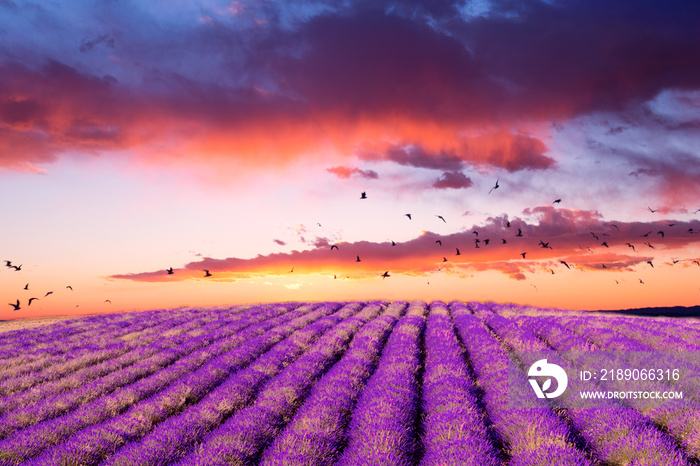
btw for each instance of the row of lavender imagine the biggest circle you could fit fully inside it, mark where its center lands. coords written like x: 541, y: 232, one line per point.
x: 327, y: 383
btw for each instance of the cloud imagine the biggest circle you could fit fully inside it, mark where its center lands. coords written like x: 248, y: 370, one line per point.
x: 88, y: 45
x: 426, y: 85
x: 347, y: 172
x: 452, y: 180
x: 569, y: 233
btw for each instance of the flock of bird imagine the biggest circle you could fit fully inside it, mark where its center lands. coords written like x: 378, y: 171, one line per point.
x: 16, y: 306
x: 478, y: 242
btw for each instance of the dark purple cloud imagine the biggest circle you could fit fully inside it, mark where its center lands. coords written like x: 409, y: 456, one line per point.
x: 452, y: 180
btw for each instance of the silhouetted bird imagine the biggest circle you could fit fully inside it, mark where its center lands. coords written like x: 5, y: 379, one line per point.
x: 385, y: 274
x: 645, y: 235
x: 507, y: 223
x: 16, y: 306
x: 632, y: 246
x: 358, y: 259
x: 108, y: 301
x: 495, y: 187
x: 334, y: 246
x: 696, y: 262
x: 438, y: 242
x: 649, y: 244
x: 616, y: 227
x: 545, y: 245
x: 652, y: 265
x: 605, y: 243
x: 17, y: 267
x: 640, y: 281
x: 520, y: 232
x: 291, y: 271
x: 48, y: 293
x: 408, y: 215
x: 690, y: 230
x: 444, y: 259
x: 363, y: 195
x: 603, y: 266
x: 652, y: 210
x: 523, y: 254
x: 595, y: 236
x: 458, y: 253
x: 616, y: 282
x: 170, y: 271
x: 70, y: 287
x: 476, y: 242
x: 504, y: 240
x: 557, y: 201
x: 675, y: 261
x: 26, y: 287
x: 440, y: 217
x: 661, y: 233
x: 30, y: 301
x: 486, y: 242
x: 335, y: 277
x: 552, y: 270
x: 206, y: 273
x: 567, y: 265
x: 393, y: 243
x: 8, y: 263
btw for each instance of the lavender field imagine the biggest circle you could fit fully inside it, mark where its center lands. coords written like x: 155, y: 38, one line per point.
x: 348, y: 383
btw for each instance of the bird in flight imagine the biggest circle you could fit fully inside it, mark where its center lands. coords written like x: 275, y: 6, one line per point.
x: 476, y: 233
x: 556, y: 201
x: 650, y: 263
x: 632, y: 246
x: 334, y: 246
x: 444, y: 259
x: 441, y: 218
x: 640, y: 281
x: 476, y: 242
x: 594, y: 235
x: 567, y: 265
x: 438, y: 242
x: 16, y: 306
x: 26, y: 287
x: 504, y: 240
x: 108, y: 301
x: 17, y: 267
x: 206, y: 272
x: 696, y: 262
x: 605, y: 243
x: 545, y: 245
x: 458, y: 253
x: 70, y: 287
x: 393, y: 243
x: 523, y: 254
x: 645, y: 235
x: 358, y: 259
x: 292, y: 270
x: 496, y: 186
x: 520, y: 232
x: 649, y: 244
x: 615, y: 226
x: 363, y: 195
x: 48, y: 293
x: 486, y: 242
x: 8, y: 263
x: 170, y: 271
x: 652, y: 210
x: 661, y: 233
x: 385, y: 274
x: 408, y: 215
x: 507, y: 223
x: 30, y: 301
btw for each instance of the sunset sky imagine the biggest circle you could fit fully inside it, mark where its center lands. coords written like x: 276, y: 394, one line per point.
x: 238, y: 136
